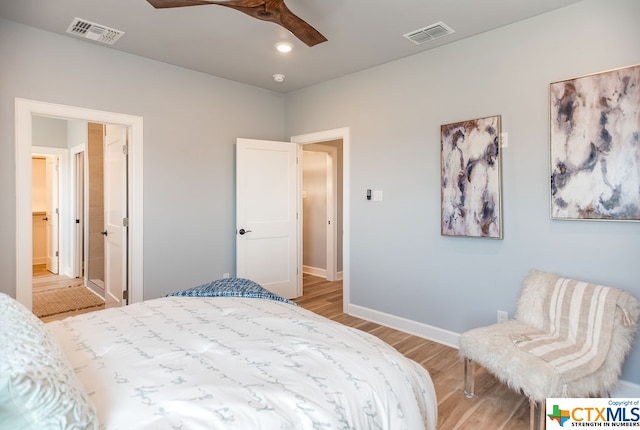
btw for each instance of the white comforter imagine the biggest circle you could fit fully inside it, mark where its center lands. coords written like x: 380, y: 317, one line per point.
x: 231, y: 363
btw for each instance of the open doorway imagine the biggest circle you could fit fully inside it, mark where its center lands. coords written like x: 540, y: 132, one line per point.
x: 322, y: 196
x: 45, y: 173
x: 69, y: 222
x: 341, y: 138
x: 254, y: 174
x: 27, y: 111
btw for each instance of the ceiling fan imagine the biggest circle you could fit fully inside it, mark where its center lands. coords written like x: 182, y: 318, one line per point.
x: 267, y: 10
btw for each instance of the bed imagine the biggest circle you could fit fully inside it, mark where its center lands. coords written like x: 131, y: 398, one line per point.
x: 220, y: 359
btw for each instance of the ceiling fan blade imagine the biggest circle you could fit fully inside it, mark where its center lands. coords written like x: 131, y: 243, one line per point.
x: 266, y: 10
x: 161, y: 4
x: 299, y: 27
x: 277, y: 12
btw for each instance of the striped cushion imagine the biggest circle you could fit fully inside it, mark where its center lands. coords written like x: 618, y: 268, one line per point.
x: 577, y: 333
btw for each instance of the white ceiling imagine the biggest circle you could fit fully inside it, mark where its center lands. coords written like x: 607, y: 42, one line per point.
x: 229, y: 44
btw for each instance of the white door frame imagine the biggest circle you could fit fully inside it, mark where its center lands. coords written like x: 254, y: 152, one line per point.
x: 25, y: 110
x: 320, y: 137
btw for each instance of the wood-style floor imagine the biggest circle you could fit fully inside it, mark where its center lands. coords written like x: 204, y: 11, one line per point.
x: 495, y: 407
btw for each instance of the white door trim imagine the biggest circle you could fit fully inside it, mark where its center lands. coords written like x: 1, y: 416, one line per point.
x: 25, y: 110
x: 325, y: 136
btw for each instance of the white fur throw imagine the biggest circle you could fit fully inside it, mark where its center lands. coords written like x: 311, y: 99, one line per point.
x: 578, y: 328
x: 493, y: 348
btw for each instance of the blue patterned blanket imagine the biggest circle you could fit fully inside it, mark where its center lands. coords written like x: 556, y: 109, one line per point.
x: 231, y: 287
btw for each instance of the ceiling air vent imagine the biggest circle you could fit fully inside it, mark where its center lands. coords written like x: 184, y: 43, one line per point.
x: 93, y: 31
x: 432, y: 32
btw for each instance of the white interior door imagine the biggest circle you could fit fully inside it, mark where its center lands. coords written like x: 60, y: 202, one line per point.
x: 51, y: 217
x: 266, y: 215
x: 115, y: 211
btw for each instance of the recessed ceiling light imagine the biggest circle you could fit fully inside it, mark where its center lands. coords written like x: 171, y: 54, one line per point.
x: 284, y: 47
x: 278, y: 77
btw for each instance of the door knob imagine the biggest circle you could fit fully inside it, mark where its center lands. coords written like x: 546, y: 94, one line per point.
x: 243, y: 231
x: 104, y: 233
x: 45, y: 219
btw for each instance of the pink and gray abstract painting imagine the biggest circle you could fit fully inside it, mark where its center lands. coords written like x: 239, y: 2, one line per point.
x: 470, y: 178
x: 595, y: 146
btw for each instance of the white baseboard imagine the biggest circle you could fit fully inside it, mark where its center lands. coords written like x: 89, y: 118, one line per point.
x: 66, y: 271
x: 426, y: 331
x: 315, y: 271
x: 623, y: 389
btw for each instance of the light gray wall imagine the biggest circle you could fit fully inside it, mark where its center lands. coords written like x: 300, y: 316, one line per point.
x: 78, y: 132
x: 49, y: 132
x: 400, y: 264
x: 191, y: 121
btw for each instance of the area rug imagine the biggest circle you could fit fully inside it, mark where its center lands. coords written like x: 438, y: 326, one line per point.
x: 60, y: 300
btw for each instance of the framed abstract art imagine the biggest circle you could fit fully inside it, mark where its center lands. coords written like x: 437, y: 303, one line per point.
x: 471, y: 183
x: 595, y: 146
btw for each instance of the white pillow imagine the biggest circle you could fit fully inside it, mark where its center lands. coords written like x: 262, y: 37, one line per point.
x: 38, y: 387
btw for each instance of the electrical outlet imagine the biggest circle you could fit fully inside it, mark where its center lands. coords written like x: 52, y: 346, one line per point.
x: 503, y: 316
x: 225, y: 275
